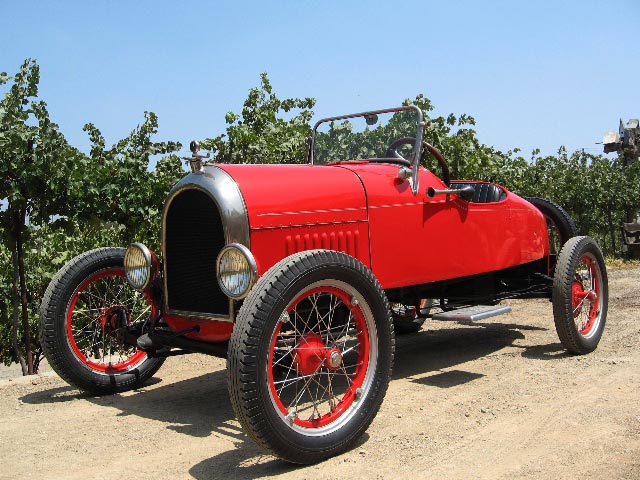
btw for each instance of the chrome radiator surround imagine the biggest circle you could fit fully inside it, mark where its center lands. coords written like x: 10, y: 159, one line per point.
x: 225, y: 194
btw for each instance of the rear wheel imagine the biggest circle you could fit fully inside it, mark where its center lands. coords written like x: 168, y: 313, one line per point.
x: 310, y: 356
x: 580, y: 295
x: 560, y: 225
x: 86, y: 314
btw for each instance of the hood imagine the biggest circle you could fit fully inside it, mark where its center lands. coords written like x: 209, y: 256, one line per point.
x: 290, y: 195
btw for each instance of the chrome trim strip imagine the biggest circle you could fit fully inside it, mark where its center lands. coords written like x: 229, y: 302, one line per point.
x: 226, y: 195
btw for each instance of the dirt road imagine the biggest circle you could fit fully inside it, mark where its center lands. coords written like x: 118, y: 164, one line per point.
x: 489, y: 400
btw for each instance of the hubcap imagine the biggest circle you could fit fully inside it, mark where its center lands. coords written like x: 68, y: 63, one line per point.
x: 312, y: 352
x: 334, y: 359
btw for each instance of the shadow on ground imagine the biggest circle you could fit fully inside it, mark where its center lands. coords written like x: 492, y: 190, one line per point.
x: 200, y: 406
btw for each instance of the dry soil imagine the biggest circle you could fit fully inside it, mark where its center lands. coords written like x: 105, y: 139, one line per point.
x: 497, y: 399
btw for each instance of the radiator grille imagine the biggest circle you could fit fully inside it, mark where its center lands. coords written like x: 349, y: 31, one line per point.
x: 192, y: 239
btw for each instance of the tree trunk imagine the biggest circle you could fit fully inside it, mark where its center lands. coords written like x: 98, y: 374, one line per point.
x: 26, y: 328
x: 15, y: 304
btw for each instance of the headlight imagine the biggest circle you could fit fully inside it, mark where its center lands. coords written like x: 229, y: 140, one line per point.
x: 140, y: 265
x: 237, y: 270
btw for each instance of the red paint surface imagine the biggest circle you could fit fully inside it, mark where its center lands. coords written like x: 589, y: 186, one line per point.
x: 290, y: 195
x: 269, y: 246
x: 405, y: 239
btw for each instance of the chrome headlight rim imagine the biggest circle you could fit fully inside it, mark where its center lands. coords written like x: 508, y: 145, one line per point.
x: 147, y: 256
x: 251, y: 267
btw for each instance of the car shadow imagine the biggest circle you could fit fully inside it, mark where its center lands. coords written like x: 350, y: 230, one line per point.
x: 200, y: 406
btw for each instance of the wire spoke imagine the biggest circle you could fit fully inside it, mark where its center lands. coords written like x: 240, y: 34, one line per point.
x: 105, y: 299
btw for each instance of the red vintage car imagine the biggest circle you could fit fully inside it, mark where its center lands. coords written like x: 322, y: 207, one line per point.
x: 299, y: 275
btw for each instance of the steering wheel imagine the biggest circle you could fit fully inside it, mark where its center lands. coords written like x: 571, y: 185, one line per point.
x: 392, y: 152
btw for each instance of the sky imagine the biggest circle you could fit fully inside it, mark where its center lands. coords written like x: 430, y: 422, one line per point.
x: 533, y: 74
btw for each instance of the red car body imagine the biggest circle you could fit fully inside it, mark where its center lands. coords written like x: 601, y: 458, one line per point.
x: 365, y: 211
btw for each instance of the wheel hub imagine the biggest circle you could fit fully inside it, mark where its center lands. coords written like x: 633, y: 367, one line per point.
x: 114, y: 318
x: 579, y: 295
x: 311, y: 353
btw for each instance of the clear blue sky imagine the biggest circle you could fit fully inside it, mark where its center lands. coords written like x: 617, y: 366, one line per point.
x: 534, y: 74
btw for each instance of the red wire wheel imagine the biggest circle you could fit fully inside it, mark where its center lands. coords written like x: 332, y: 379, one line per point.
x: 85, y: 312
x: 585, y: 295
x: 580, y: 295
x: 101, y: 308
x: 310, y: 355
x: 321, y: 351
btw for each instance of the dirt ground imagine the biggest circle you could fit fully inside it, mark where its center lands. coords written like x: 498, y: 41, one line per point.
x: 498, y: 399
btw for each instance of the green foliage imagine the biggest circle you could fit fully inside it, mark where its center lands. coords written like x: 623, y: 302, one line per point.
x: 47, y: 250
x: 36, y: 160
x: 260, y: 134
x: 115, y: 184
x: 59, y: 202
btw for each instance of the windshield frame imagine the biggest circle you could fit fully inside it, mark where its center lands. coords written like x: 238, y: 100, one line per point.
x: 420, y: 125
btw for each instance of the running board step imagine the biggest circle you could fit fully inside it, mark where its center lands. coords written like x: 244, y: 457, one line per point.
x: 471, y: 314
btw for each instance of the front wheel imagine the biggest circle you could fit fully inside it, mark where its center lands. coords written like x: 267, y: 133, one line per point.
x: 310, y: 356
x: 580, y: 295
x: 86, y: 312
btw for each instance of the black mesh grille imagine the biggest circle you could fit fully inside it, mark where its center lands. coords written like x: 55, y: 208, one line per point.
x: 193, y: 239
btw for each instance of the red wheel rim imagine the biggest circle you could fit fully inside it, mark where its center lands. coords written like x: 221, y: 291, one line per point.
x: 320, y: 357
x: 92, y: 330
x: 585, y: 295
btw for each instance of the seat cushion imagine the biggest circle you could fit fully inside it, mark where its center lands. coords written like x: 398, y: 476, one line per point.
x: 483, y: 192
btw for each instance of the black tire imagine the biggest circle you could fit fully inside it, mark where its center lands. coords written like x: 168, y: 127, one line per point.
x: 405, y: 318
x: 580, y: 295
x: 560, y: 225
x: 275, y: 320
x: 79, y: 331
